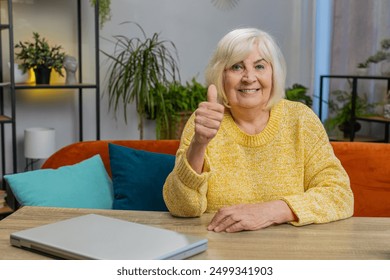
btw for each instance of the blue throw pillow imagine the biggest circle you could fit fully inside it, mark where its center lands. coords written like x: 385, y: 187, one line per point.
x: 82, y: 185
x: 138, y: 177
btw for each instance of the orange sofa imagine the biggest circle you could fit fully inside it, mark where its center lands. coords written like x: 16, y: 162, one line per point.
x: 367, y: 164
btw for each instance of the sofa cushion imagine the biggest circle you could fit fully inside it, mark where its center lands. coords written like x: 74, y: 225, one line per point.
x: 82, y: 185
x: 79, y: 151
x: 138, y: 177
x: 368, y: 167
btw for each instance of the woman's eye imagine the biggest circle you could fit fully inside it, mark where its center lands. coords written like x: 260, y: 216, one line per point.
x: 259, y: 66
x: 236, y: 67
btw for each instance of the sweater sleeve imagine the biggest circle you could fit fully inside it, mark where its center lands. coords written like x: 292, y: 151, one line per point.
x: 185, y: 190
x: 328, y: 196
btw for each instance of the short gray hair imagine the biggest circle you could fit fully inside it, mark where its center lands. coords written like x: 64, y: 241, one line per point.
x: 235, y: 47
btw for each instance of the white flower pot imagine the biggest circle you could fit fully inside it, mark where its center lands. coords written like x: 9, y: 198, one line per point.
x: 19, y: 76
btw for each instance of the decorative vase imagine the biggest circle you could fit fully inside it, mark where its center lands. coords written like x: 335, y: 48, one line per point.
x: 19, y: 76
x: 346, y: 128
x: 42, y: 75
x: 385, y: 68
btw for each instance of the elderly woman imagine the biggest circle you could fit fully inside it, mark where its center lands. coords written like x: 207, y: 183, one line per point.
x: 251, y: 156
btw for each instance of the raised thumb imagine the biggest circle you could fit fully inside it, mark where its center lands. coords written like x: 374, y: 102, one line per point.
x: 212, y: 95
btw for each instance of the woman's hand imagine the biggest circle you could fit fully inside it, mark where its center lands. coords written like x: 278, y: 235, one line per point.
x: 251, y: 216
x: 208, y: 118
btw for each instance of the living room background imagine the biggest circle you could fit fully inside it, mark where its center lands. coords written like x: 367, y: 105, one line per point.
x: 195, y: 26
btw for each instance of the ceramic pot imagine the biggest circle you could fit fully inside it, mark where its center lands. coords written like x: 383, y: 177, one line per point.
x: 19, y: 76
x: 346, y: 128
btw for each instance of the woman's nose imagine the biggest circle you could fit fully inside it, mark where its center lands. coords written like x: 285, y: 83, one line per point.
x: 249, y: 76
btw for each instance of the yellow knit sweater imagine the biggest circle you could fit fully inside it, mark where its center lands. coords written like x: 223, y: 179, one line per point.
x: 291, y: 160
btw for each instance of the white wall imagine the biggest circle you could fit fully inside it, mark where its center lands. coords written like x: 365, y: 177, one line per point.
x: 195, y: 26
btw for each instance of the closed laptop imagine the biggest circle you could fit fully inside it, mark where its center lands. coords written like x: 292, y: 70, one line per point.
x: 99, y: 237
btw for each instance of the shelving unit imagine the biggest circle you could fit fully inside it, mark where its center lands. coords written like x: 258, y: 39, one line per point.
x: 12, y: 88
x: 354, y: 118
x: 7, y: 86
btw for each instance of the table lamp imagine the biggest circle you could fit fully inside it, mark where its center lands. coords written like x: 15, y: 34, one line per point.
x: 39, y: 143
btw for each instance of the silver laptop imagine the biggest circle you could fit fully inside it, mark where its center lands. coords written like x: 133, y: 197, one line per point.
x: 98, y: 237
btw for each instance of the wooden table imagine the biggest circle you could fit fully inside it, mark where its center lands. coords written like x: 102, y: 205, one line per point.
x: 354, y: 238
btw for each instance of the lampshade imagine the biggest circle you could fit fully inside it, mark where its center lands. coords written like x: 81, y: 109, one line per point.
x: 39, y: 142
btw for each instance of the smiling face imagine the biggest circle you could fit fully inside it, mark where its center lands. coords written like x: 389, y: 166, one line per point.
x: 248, y: 83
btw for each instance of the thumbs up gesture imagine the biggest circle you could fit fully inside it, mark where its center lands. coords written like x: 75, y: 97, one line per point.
x: 208, y: 117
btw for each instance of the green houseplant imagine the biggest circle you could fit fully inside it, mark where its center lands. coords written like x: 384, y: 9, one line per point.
x: 178, y: 102
x: 381, y: 55
x: 298, y: 92
x: 41, y: 57
x: 104, y: 10
x: 139, y: 68
x: 340, y: 108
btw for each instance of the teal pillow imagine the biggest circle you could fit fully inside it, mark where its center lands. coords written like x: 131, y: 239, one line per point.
x: 138, y: 177
x: 82, y: 185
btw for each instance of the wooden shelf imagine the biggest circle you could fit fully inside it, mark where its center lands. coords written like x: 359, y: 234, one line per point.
x: 4, y: 26
x: 57, y: 86
x: 4, y: 119
x: 374, y: 119
x: 4, y: 211
x: 5, y: 84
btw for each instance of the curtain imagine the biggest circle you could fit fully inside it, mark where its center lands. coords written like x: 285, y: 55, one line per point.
x: 358, y: 28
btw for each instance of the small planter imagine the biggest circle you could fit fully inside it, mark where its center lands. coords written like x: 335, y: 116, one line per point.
x: 42, y: 75
x: 175, y: 126
x: 346, y: 128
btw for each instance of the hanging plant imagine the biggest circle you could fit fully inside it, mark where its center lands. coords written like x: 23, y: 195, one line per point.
x: 104, y: 11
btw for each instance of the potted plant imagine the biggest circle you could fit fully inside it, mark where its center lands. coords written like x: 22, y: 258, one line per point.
x: 341, y: 111
x: 298, y: 92
x: 139, y: 68
x: 41, y: 57
x: 177, y: 103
